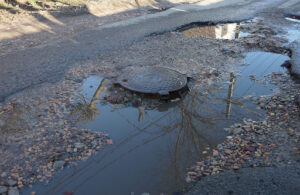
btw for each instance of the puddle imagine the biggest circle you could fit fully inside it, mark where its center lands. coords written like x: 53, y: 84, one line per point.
x: 228, y: 31
x: 156, y: 141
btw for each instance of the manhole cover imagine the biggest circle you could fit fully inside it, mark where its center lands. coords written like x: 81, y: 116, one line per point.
x: 152, y: 80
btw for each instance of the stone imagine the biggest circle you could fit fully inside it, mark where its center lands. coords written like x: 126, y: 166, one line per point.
x: 237, y: 131
x: 215, y: 153
x: 227, y: 151
x: 2, y: 123
x: 13, y: 191
x: 188, y: 180
x: 95, y: 143
x: 226, y: 129
x: 79, y: 145
x: 61, y: 131
x: 3, y: 189
x: 58, y: 164
x: 3, y: 174
x: 265, y: 123
x: 11, y: 182
x: 236, y: 167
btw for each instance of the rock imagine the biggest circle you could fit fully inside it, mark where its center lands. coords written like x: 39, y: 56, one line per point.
x: 61, y: 131
x: 3, y: 189
x: 13, y: 191
x: 11, y: 182
x: 58, y: 164
x: 188, y: 180
x: 227, y: 151
x: 4, y: 174
x: 215, y: 153
x: 227, y: 129
x: 251, y: 148
x: 236, y: 167
x: 2, y: 123
x: 237, y: 131
x: 79, y: 145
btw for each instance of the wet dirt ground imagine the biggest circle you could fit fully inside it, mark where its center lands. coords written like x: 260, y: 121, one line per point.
x: 240, y: 98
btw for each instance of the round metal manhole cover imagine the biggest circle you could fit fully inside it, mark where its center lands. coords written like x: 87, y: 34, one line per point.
x: 152, y: 80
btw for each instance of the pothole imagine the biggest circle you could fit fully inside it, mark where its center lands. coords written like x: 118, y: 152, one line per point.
x: 156, y: 140
x: 228, y: 31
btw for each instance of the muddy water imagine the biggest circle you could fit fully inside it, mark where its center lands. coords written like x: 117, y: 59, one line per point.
x: 221, y: 31
x: 152, y: 148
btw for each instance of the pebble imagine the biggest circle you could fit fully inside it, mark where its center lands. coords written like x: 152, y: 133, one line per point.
x: 95, y: 143
x: 79, y: 145
x: 227, y: 151
x: 3, y: 189
x: 58, y: 164
x: 2, y: 123
x: 13, y: 191
x: 11, y: 182
x: 235, y: 167
x: 237, y: 131
x: 4, y: 174
x: 215, y: 153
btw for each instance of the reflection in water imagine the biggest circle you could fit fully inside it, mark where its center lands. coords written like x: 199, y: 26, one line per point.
x: 221, y: 31
x: 153, y: 145
x: 86, y: 111
x: 172, y: 139
x: 230, y: 93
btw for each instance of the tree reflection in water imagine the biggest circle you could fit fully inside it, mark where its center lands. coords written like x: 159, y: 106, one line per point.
x: 86, y: 111
x: 187, y: 119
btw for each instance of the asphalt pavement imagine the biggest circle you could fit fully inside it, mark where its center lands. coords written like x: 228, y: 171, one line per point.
x: 48, y: 63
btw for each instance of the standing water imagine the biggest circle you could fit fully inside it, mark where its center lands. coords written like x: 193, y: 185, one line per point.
x: 154, y: 145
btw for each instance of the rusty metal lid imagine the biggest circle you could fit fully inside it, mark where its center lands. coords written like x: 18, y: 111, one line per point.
x: 152, y: 80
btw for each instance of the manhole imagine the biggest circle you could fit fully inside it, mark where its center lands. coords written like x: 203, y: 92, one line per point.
x: 152, y: 80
